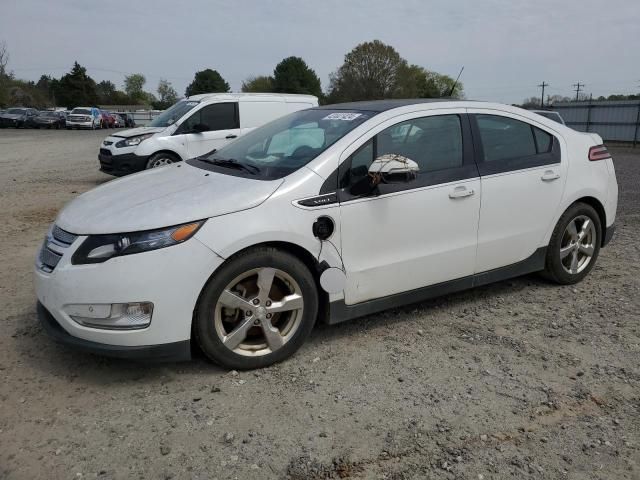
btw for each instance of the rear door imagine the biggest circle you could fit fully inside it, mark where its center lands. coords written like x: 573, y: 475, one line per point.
x: 523, y: 177
x: 220, y: 123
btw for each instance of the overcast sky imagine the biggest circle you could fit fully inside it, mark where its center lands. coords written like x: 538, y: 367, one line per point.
x: 507, y: 47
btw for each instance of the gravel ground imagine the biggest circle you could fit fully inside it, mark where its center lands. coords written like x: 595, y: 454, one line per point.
x: 520, y: 379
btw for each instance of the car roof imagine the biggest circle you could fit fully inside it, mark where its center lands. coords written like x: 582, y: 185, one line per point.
x: 384, y: 105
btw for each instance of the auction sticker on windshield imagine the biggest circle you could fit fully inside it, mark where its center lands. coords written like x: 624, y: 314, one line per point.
x: 342, y: 116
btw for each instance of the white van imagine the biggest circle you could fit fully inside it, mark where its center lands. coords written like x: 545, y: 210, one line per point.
x: 194, y: 126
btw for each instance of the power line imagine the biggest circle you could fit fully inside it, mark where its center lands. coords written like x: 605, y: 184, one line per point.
x: 578, y: 88
x: 543, y: 84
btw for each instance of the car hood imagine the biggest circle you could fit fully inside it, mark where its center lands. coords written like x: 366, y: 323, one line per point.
x: 12, y: 116
x: 162, y: 197
x: 139, y: 131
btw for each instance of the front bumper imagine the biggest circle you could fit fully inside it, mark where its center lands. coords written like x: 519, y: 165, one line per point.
x: 171, y: 278
x: 73, y: 124
x: 120, y: 165
x: 168, y: 352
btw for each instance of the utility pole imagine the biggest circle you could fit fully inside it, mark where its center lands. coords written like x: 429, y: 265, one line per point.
x: 578, y: 88
x: 543, y: 84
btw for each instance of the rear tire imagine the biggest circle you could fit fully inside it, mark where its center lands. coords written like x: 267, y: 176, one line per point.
x: 574, y: 245
x: 256, y: 310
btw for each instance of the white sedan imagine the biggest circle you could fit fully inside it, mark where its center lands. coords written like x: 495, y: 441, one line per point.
x: 326, y: 214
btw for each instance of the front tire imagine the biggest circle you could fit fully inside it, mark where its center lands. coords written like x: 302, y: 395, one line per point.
x: 574, y: 245
x: 161, y: 159
x: 258, y: 309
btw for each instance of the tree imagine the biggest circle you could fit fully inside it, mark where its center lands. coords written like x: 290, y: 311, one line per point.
x: 5, y: 77
x: 76, y: 88
x: 106, y: 91
x: 134, y: 86
x: 261, y: 83
x: 207, y: 81
x: 293, y: 75
x: 168, y: 95
x: 370, y: 72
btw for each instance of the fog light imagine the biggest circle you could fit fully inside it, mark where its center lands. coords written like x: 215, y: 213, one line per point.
x: 116, y: 316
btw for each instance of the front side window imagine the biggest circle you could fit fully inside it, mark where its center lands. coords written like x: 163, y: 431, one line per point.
x: 433, y: 142
x: 284, y: 145
x: 217, y: 116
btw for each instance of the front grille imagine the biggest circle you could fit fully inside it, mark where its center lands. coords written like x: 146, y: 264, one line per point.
x: 63, y: 236
x: 53, y: 248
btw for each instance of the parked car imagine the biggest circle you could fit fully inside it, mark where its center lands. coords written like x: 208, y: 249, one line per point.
x: 17, y: 117
x: 128, y: 120
x: 48, y: 119
x: 324, y: 210
x: 192, y: 127
x: 84, y: 117
x: 108, y: 120
x: 119, y: 121
x: 555, y: 116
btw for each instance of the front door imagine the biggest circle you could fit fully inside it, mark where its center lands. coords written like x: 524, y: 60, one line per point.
x: 410, y: 235
x: 218, y: 124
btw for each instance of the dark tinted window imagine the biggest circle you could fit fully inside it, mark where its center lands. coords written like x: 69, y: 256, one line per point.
x: 434, y: 143
x: 544, y: 141
x: 217, y: 116
x: 505, y: 138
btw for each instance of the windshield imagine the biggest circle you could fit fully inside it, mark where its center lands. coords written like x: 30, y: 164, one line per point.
x: 173, y: 114
x: 81, y: 111
x: 48, y: 114
x: 17, y: 111
x: 286, y: 144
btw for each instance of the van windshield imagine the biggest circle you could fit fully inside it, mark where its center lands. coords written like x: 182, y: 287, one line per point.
x: 284, y: 145
x: 173, y: 114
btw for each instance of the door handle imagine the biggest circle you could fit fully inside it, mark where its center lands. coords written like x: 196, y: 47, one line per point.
x: 549, y: 175
x: 228, y: 137
x: 460, y: 192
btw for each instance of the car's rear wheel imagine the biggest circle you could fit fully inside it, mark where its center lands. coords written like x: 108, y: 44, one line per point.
x: 574, y: 245
x: 258, y: 309
x: 161, y: 159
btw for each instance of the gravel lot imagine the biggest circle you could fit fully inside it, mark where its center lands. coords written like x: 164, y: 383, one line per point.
x: 520, y: 379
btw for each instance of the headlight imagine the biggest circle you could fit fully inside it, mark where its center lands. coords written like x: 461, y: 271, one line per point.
x: 100, y: 248
x: 133, y: 141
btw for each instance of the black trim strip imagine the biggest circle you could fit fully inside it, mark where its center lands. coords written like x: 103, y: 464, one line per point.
x: 341, y: 312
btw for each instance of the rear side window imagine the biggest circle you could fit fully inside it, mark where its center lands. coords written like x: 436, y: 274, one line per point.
x: 544, y: 141
x: 504, y: 138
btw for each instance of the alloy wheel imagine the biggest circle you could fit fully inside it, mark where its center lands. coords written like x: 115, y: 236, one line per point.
x: 578, y: 244
x: 161, y: 162
x: 259, y: 311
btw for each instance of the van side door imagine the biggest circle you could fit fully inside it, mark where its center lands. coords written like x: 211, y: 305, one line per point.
x: 210, y: 127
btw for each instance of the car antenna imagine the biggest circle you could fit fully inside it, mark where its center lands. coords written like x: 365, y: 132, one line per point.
x: 456, y: 82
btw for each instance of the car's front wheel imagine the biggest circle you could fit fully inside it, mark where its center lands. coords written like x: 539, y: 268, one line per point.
x: 161, y: 159
x: 258, y: 309
x: 574, y: 245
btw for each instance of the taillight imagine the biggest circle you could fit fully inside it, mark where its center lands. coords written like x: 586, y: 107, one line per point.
x: 599, y: 152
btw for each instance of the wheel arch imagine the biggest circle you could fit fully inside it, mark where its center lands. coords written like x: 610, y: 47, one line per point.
x: 166, y: 150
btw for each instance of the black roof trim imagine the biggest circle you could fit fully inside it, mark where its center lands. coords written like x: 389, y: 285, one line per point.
x: 383, y: 105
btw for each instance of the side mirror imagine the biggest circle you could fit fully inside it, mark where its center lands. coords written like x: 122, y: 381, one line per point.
x: 392, y: 168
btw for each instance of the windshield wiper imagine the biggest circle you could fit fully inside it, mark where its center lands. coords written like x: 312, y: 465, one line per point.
x: 230, y: 163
